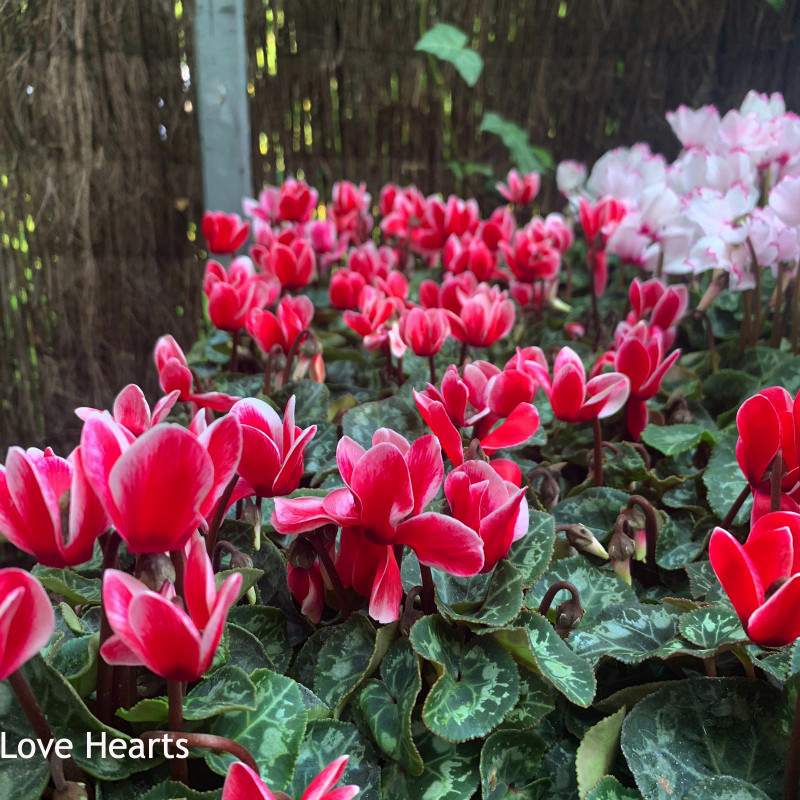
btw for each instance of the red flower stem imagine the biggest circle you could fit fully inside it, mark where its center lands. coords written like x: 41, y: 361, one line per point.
x: 234, y: 365
x: 298, y: 340
x: 428, y: 593
x: 791, y: 772
x: 179, y: 562
x: 267, y: 388
x: 180, y: 769
x: 219, y: 515
x: 463, y: 357
x: 36, y: 718
x: 432, y: 365
x: 105, y: 671
x: 775, y: 478
x: 205, y: 741
x: 547, y: 600
x: 326, y: 561
x: 734, y: 509
x: 597, y: 465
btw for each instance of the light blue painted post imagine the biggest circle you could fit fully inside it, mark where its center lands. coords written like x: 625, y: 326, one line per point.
x: 221, y: 75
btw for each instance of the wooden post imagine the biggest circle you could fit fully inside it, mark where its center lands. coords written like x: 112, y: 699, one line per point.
x: 221, y: 75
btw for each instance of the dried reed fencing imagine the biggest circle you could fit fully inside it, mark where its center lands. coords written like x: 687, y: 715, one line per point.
x: 100, y: 156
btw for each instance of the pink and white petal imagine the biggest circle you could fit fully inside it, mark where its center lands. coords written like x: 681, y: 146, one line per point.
x: 163, y: 407
x: 212, y: 633
x: 223, y: 441
x: 288, y: 425
x: 243, y: 783
x: 200, y: 591
x: 119, y: 590
x: 443, y: 542
x: 437, y: 419
x: 777, y: 623
x: 87, y: 517
x: 326, y: 780
x: 607, y: 394
x: 387, y: 589
x: 340, y: 507
x: 519, y: 426
x: 12, y: 526
x: 426, y: 468
x: 261, y: 460
x: 736, y: 572
x: 348, y: 454
x: 118, y: 652
x: 298, y: 515
x: 292, y: 470
x: 131, y: 409
x: 262, y: 416
x: 392, y: 437
x: 216, y: 401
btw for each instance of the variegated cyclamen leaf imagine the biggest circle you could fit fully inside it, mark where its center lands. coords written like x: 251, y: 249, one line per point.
x: 597, y: 751
x: 228, y: 689
x: 609, y: 788
x: 245, y: 650
x: 361, y: 422
x: 712, y: 626
x: 387, y: 705
x: 680, y: 540
x: 305, y: 662
x: 351, y: 654
x: 324, y: 742
x: 534, y: 643
x: 724, y: 787
x: 728, y: 727
x: 673, y: 439
x: 532, y: 553
x: 272, y: 732
x: 628, y: 632
x: 535, y: 702
x: 75, y: 588
x: 501, y: 604
x: 598, y: 588
x: 477, y: 686
x: 704, y: 584
x: 172, y: 790
x: 723, y: 478
x: 510, y: 761
x: 268, y: 625
x: 596, y: 508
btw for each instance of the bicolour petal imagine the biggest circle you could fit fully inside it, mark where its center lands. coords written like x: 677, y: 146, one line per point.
x: 326, y: 780
x: 387, y: 589
x: 443, y: 542
x: 163, y: 407
x: 606, y: 395
x: 426, y: 468
x: 508, y: 470
x: 261, y: 460
x: 392, y: 437
x: 759, y: 437
x: 348, y: 454
x: 158, y: 486
x: 736, y: 572
x: 382, y: 484
x: 212, y: 633
x: 518, y: 427
x: 298, y: 515
x: 118, y: 652
x: 777, y: 622
x: 498, y: 530
x: 508, y: 389
x: 261, y: 416
x: 223, y: 441
x: 131, y: 409
x: 199, y: 588
x: 87, y: 517
x: 243, y: 783
x: 119, y: 589
x: 436, y: 418
x: 288, y: 478
x: 340, y: 507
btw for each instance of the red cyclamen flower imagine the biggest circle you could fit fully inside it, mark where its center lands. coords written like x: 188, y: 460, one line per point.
x: 225, y: 233
x: 243, y: 783
x: 762, y: 577
x: 232, y: 293
x: 485, y: 317
x: 150, y: 630
x: 292, y: 264
x: 345, y: 289
x: 425, y: 330
x: 520, y: 190
x: 296, y: 201
x: 132, y: 411
x: 27, y: 620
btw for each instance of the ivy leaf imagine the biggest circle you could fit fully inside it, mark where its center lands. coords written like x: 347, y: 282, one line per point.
x: 597, y: 751
x: 268, y: 625
x: 628, y: 632
x: 351, y: 654
x: 673, y: 439
x: 728, y: 726
x: 598, y: 588
x: 448, y: 43
x: 501, y: 604
x: 477, y: 685
x: 596, y: 508
x: 509, y: 761
x: 532, y: 553
x: 534, y: 643
x: 325, y: 741
x: 387, y: 705
x: 272, y: 732
x: 712, y: 626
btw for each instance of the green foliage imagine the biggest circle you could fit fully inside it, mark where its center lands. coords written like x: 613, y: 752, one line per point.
x: 448, y: 43
x: 527, y: 157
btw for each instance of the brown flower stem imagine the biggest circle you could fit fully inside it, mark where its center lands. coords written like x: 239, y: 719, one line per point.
x: 325, y: 560
x: 568, y: 289
x: 179, y: 562
x: 660, y: 264
x: 105, y: 671
x: 428, y: 593
x: 791, y: 772
x: 234, y: 365
x: 205, y: 741
x: 37, y: 720
x: 734, y: 509
x: 180, y: 768
x: 744, y: 332
x: 547, y: 600
x: 711, y: 666
x: 777, y: 313
x: 267, y: 388
x: 597, y: 465
x: 298, y: 340
x: 219, y: 548
x: 775, y: 478
x: 432, y: 365
x: 756, y: 330
x: 650, y: 525
x: 710, y: 342
x: 219, y: 515
x: 463, y: 357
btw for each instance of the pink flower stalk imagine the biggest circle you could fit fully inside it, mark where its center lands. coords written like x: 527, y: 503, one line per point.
x: 494, y: 508
x: 272, y: 450
x: 467, y: 253
x: 243, y: 783
x: 520, y: 190
x: 485, y: 317
x: 132, y: 411
x: 225, y: 233
x: 575, y: 400
x: 27, y: 620
x: 48, y: 508
x: 296, y: 201
x: 294, y: 264
x: 174, y: 375
x: 345, y: 289
x: 159, y: 488
x: 153, y: 631
x: 481, y: 398
x: 234, y: 292
x: 386, y: 491
x: 762, y: 577
x: 425, y: 330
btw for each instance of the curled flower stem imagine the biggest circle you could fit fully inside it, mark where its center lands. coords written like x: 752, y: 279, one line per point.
x: 428, y: 593
x: 597, y: 466
x: 219, y: 515
x: 298, y: 340
x: 547, y: 600
x: 180, y: 769
x: 775, y: 478
x: 734, y: 509
x: 219, y: 548
x: 791, y: 772
x: 205, y: 741
x: 105, y: 671
x: 327, y: 564
x: 234, y: 365
x: 650, y: 525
